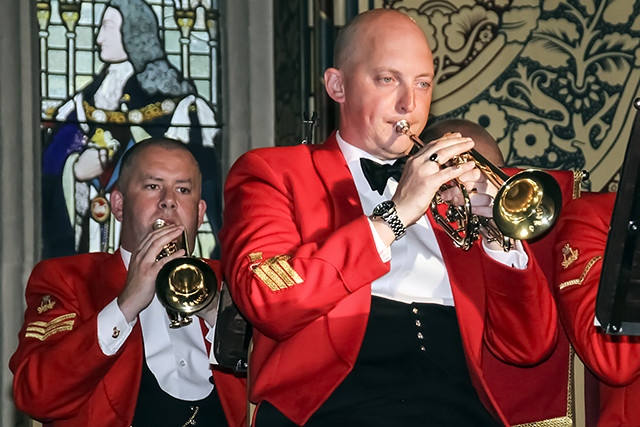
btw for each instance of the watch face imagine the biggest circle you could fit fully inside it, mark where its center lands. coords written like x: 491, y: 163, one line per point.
x: 383, y: 208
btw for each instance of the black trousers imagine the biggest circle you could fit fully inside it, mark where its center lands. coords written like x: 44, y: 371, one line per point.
x: 410, y: 371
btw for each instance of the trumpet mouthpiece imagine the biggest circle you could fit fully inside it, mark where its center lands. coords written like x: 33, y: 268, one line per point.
x: 402, y: 126
x: 158, y: 223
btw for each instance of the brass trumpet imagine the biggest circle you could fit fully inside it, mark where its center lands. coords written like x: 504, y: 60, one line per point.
x: 526, y: 206
x: 184, y: 285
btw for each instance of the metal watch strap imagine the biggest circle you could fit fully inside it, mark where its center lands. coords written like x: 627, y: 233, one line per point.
x: 390, y: 216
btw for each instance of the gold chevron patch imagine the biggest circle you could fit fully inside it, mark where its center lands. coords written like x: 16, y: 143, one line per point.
x: 277, y: 273
x: 43, y: 330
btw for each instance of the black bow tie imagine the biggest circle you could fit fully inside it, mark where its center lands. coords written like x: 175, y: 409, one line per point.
x: 378, y: 174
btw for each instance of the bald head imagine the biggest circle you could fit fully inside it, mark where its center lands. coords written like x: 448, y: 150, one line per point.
x: 485, y: 143
x: 130, y: 157
x: 353, y: 38
x: 383, y: 72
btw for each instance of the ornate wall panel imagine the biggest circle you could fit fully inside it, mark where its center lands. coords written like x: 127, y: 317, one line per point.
x: 553, y: 81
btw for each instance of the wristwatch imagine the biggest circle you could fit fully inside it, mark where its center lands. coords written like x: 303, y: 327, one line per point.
x: 386, y: 211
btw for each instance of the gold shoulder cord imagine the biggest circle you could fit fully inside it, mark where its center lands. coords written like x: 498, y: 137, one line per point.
x: 585, y: 271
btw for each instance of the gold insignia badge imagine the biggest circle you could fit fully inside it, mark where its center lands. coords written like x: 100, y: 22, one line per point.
x: 116, y: 333
x: 43, y: 330
x: 45, y: 304
x: 569, y: 256
x: 277, y: 273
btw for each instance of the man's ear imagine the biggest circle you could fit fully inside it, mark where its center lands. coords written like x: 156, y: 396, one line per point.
x: 334, y: 85
x: 116, y: 204
x: 202, y: 209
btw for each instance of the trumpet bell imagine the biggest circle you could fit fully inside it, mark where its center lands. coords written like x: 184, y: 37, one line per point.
x: 527, y: 205
x: 186, y: 285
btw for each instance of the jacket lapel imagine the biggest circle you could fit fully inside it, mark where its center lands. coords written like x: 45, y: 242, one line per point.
x: 334, y: 172
x: 465, y: 275
x: 110, y: 278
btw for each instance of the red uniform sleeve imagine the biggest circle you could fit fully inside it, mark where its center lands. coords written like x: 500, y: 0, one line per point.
x: 58, y: 363
x: 582, y: 240
x: 521, y: 315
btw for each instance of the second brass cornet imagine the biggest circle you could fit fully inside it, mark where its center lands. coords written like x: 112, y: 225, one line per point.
x: 526, y: 206
x: 184, y: 285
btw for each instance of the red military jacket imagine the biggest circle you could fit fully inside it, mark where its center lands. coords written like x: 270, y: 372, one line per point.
x: 61, y: 376
x: 300, y: 258
x: 615, y: 360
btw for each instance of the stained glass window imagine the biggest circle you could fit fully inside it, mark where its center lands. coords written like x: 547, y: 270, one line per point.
x: 114, y: 72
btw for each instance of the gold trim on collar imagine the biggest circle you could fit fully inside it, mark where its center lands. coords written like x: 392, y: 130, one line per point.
x: 585, y: 271
x: 43, y: 330
x: 277, y: 273
x: 578, y: 177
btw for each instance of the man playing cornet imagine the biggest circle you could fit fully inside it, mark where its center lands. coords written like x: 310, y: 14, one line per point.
x: 96, y: 348
x: 364, y: 312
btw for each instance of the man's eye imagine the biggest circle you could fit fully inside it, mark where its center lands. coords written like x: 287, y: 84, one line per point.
x: 184, y: 190
x: 425, y: 85
x: 152, y: 186
x: 386, y: 79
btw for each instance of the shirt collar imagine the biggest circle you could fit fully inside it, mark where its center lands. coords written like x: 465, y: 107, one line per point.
x: 126, y: 257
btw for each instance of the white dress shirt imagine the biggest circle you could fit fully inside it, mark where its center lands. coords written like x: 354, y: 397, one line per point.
x: 417, y: 273
x: 177, y: 357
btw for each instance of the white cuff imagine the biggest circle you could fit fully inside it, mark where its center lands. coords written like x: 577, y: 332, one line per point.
x: 516, y: 257
x: 113, y: 328
x: 383, y: 250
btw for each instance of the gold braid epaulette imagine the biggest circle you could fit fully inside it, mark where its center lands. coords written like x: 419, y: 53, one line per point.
x: 578, y: 177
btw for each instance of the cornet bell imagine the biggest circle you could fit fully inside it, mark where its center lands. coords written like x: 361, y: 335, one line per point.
x: 527, y: 205
x: 184, y: 285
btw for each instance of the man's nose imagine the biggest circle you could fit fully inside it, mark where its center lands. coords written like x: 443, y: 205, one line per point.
x: 167, y: 201
x: 407, y: 101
